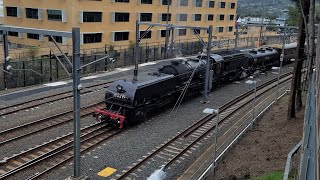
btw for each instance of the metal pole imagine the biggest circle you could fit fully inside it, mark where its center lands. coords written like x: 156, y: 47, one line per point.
x: 6, y: 54
x: 167, y: 31
x: 172, y: 40
x: 76, y: 100
x: 281, y: 56
x: 215, y: 144
x: 237, y: 36
x: 166, y: 43
x: 135, y: 72
x: 254, y: 103
x: 260, y: 34
x: 228, y: 43
x: 206, y: 84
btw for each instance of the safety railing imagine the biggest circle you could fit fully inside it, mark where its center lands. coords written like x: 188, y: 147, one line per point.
x: 308, y: 162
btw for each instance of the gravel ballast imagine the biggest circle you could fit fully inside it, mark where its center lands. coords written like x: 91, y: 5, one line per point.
x: 135, y: 142
x: 264, y: 149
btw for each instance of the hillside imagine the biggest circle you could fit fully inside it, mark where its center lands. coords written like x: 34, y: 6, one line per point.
x: 264, y: 8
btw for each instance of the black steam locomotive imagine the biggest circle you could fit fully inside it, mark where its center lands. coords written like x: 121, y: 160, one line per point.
x: 128, y: 102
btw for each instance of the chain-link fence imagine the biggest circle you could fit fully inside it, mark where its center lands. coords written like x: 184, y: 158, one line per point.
x: 48, y: 69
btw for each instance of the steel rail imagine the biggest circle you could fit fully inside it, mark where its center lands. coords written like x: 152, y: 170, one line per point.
x: 233, y: 101
x: 65, y: 148
x: 46, y: 145
x: 45, y: 120
x: 210, y: 130
x: 68, y: 95
x: 237, y: 127
x: 196, y: 125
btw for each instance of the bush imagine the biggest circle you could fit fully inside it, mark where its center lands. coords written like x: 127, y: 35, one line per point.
x: 32, y: 51
x: 111, y: 48
x: 132, y: 44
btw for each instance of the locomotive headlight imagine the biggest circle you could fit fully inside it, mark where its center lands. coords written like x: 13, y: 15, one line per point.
x: 119, y: 88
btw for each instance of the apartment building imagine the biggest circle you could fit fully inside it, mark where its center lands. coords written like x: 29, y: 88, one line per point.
x: 113, y: 21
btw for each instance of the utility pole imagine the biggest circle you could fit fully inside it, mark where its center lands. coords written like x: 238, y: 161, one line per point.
x: 282, y: 53
x: 208, y: 65
x: 5, y: 54
x: 172, y: 41
x: 260, y: 34
x: 237, y: 36
x: 136, y: 62
x: 167, y: 30
x: 76, y: 100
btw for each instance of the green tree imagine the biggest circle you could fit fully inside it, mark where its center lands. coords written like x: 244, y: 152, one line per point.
x: 293, y: 16
x: 317, y: 20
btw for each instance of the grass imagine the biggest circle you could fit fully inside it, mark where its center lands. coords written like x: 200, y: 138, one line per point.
x: 270, y: 176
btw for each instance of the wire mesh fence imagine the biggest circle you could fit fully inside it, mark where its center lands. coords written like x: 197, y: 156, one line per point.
x: 48, y: 69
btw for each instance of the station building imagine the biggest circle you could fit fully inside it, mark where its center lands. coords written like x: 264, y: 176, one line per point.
x: 113, y: 21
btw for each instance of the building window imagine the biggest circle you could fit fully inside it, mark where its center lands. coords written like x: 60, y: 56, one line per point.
x: 163, y: 33
x: 92, y: 16
x: 230, y: 28
x: 165, y: 2
x: 12, y: 33
x: 222, y: 4
x: 121, y: 36
x: 12, y: 11
x: 197, y: 17
x: 164, y: 17
x: 196, y: 31
x: 58, y: 39
x: 182, y: 32
x: 183, y: 17
x: 233, y: 5
x: 221, y: 17
x: 146, y: 1
x: 33, y: 36
x: 32, y: 13
x: 92, y: 38
x: 210, y: 17
x: 183, y: 2
x: 146, y: 17
x: 125, y: 1
x: 122, y: 17
x: 220, y: 29
x: 198, y: 3
x: 147, y: 36
x: 211, y: 4
x: 231, y: 17
x: 54, y: 15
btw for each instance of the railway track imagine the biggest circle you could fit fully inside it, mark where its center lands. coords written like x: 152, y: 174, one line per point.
x: 24, y: 130
x: 34, y: 103
x: 54, y: 153
x: 49, y: 155
x: 184, y: 143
